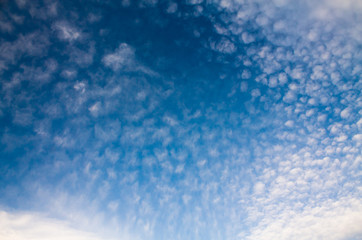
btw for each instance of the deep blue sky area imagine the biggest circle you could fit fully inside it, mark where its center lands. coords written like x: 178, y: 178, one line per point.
x: 185, y: 120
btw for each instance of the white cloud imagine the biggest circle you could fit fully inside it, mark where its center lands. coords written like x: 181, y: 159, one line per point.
x: 186, y: 198
x: 357, y: 137
x: 312, y: 102
x: 259, y: 188
x: 283, y: 79
x: 273, y: 82
x: 179, y: 168
x: 289, y: 97
x: 310, y: 112
x: 124, y: 59
x: 224, y: 46
x: 172, y: 8
x: 243, y: 86
x: 33, y: 226
x: 5, y: 24
x: 322, y: 117
x: 297, y: 73
x: 359, y: 123
x: 21, y: 3
x: 82, y: 57
x: 345, y: 113
x: 113, y: 205
x: 66, y: 31
x: 48, y: 10
x: 80, y: 86
x: 95, y: 108
x: 194, y: 2
x: 23, y: 117
x: 255, y: 93
x: 32, y: 44
x: 295, y: 185
x: 69, y: 73
x: 246, y: 74
x: 344, y: 4
x: 289, y: 123
x: 126, y: 3
x: 332, y: 220
x: 247, y: 38
x: 92, y: 17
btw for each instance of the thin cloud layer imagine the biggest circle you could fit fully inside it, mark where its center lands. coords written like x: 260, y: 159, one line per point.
x: 32, y: 225
x: 27, y: 226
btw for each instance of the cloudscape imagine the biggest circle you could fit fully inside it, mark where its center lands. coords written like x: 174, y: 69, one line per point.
x: 180, y: 120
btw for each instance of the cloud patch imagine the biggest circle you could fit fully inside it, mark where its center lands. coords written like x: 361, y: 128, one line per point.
x: 123, y: 59
x: 33, y: 226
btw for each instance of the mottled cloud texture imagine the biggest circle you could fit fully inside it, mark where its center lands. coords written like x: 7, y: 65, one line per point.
x: 197, y: 119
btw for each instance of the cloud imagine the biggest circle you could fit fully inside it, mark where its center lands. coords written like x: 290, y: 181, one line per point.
x: 23, y: 117
x: 243, y: 86
x: 259, y: 188
x: 83, y: 58
x: 124, y: 60
x: 31, y: 44
x: 21, y: 3
x: 5, y: 24
x: 358, y: 138
x: 224, y: 46
x: 95, y: 109
x: 33, y: 226
x: 345, y: 113
x: 172, y: 8
x: 344, y: 4
x: 289, y: 123
x: 247, y: 38
x: 255, y: 93
x: 66, y: 31
x: 334, y: 220
x: 279, y: 162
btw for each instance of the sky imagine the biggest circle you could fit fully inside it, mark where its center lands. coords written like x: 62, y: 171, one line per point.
x: 182, y: 120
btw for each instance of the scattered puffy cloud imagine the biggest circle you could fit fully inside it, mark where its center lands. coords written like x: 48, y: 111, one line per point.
x: 224, y: 46
x: 345, y: 113
x: 289, y: 123
x: 255, y: 93
x: 31, y: 44
x: 124, y: 59
x: 278, y: 159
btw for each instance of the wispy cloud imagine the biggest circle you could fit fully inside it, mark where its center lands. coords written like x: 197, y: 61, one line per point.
x: 18, y: 226
x: 34, y: 225
x: 124, y: 59
x: 66, y: 31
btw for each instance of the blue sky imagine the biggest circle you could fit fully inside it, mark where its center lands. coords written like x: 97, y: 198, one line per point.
x: 197, y: 119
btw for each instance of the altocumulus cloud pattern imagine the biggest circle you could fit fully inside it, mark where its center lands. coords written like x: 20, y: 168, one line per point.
x: 180, y: 120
